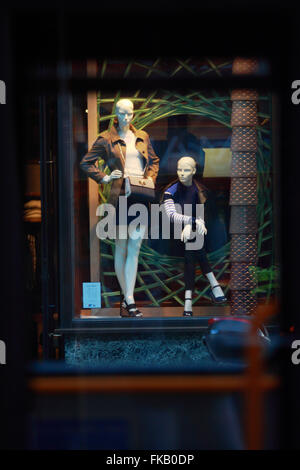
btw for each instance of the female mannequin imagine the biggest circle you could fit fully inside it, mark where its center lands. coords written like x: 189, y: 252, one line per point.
x: 188, y: 191
x: 127, y: 152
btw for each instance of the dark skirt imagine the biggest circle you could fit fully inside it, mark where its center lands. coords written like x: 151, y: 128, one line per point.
x: 127, y: 218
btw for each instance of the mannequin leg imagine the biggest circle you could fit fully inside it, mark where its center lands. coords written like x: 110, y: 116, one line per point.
x: 189, y: 279
x: 206, y: 269
x: 119, y: 261
x: 131, y: 264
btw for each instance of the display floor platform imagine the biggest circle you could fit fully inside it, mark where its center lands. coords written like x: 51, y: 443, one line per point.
x: 202, y: 311
x: 154, y: 320
x: 150, y: 324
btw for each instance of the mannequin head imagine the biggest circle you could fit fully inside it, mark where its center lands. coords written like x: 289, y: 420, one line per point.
x: 186, y: 168
x: 124, y: 112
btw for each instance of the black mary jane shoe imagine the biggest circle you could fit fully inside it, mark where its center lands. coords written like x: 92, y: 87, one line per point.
x: 130, y: 311
x: 187, y: 313
x: 216, y: 300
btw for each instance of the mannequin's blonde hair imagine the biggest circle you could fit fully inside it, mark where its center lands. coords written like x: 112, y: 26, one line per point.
x: 189, y: 161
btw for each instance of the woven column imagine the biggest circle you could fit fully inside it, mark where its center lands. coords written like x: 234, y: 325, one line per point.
x: 243, y: 193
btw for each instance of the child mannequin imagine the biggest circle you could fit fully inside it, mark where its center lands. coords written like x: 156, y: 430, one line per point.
x: 188, y: 191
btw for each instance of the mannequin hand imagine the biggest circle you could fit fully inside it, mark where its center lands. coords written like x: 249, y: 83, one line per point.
x: 186, y: 233
x: 201, y: 229
x: 113, y: 176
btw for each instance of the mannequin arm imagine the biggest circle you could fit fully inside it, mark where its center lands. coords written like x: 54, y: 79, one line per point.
x: 113, y: 176
x: 171, y: 212
x: 153, y: 165
x: 188, y: 233
x: 200, y: 225
x: 88, y: 163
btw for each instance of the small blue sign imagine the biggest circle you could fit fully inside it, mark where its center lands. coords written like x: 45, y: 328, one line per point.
x: 91, y: 294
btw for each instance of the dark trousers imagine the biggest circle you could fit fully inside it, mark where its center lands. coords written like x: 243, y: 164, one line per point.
x: 190, y: 257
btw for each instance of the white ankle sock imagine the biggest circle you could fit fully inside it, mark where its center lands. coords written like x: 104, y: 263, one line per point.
x: 217, y: 291
x: 188, y: 301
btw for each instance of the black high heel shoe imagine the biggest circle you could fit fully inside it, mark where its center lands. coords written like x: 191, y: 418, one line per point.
x: 129, y: 311
x: 123, y: 304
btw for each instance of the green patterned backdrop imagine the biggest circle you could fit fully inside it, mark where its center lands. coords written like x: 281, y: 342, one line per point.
x: 164, y: 274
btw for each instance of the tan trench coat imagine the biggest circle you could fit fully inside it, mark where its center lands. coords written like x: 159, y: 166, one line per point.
x: 107, y: 147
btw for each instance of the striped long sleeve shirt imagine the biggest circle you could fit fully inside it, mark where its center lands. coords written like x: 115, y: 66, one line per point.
x: 182, y: 195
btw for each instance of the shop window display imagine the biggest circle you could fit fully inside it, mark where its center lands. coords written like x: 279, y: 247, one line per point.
x: 196, y: 124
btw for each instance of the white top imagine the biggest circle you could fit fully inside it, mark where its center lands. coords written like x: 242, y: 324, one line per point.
x: 134, y: 162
